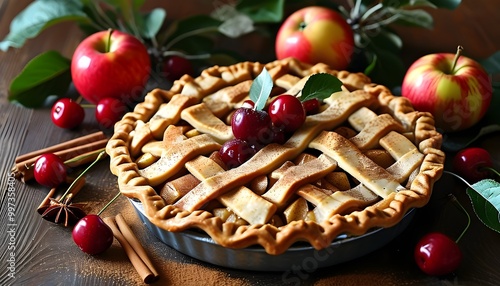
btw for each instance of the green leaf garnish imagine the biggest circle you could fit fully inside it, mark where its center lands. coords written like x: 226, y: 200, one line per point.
x: 261, y: 89
x: 320, y: 86
x: 485, y: 197
x: 45, y: 75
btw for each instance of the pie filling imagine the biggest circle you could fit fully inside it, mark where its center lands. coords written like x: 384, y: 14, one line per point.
x: 361, y: 162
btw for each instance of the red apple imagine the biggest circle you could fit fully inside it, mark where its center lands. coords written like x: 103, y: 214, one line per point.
x: 454, y: 88
x: 316, y: 34
x: 110, y: 64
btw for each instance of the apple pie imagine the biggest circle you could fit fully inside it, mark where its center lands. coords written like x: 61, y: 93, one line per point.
x: 361, y: 162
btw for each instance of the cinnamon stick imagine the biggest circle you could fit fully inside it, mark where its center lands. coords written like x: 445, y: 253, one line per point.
x: 23, y: 169
x: 46, y: 201
x: 135, y: 243
x: 142, y: 269
x: 64, y: 145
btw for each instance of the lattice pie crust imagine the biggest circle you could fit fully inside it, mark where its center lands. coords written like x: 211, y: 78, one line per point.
x: 360, y: 163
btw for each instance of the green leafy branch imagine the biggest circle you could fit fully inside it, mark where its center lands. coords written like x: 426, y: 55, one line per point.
x: 126, y: 15
x: 378, y: 45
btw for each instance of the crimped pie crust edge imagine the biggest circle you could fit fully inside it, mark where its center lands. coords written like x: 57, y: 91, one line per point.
x: 385, y: 213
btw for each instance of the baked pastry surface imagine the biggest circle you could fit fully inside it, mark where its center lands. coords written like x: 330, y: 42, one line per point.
x: 360, y: 163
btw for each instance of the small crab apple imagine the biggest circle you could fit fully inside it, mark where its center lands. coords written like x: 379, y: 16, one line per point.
x: 67, y: 113
x: 49, y: 170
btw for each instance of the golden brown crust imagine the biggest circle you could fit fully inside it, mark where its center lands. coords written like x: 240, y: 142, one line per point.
x: 147, y: 121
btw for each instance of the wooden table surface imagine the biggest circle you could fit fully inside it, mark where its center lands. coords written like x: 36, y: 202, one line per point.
x: 44, y: 253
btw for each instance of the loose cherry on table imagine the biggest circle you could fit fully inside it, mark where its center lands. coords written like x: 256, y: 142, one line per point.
x: 109, y: 110
x: 92, y: 235
x: 436, y: 254
x: 473, y: 164
x: 49, y: 170
x: 67, y: 113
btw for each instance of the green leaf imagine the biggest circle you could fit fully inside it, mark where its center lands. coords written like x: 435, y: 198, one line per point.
x: 40, y: 15
x: 457, y: 141
x: 262, y: 11
x: 492, y: 63
x: 194, y: 45
x: 389, y: 69
x: 261, y: 89
x: 446, y: 4
x: 196, y: 25
x: 151, y: 22
x: 45, y: 75
x: 124, y: 8
x: 414, y: 17
x: 417, y: 3
x: 485, y: 197
x: 237, y: 26
x: 373, y: 63
x: 320, y: 86
x: 492, y: 116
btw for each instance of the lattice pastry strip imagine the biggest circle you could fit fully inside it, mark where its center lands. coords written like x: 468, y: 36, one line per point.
x: 380, y: 159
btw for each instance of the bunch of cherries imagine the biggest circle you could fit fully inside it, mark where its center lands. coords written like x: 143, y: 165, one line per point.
x: 253, y: 129
x: 91, y: 234
x: 435, y: 253
x: 67, y: 113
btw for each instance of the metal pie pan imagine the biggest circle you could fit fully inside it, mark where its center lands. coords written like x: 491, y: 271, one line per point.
x: 200, y: 246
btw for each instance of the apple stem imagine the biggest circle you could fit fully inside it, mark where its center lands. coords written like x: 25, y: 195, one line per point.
x: 457, y: 203
x: 455, y: 60
x: 108, y: 42
x: 109, y: 203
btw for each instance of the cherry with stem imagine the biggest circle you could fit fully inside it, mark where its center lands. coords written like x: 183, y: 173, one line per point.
x: 91, y: 234
x: 437, y: 254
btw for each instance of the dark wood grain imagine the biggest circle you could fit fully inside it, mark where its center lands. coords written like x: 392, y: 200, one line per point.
x: 45, y: 253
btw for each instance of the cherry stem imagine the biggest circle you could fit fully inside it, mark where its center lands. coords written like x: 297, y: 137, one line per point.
x: 455, y: 60
x: 81, y: 157
x: 457, y: 203
x: 88, y: 105
x: 491, y: 170
x: 102, y: 154
x: 79, y: 99
x: 109, y: 203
